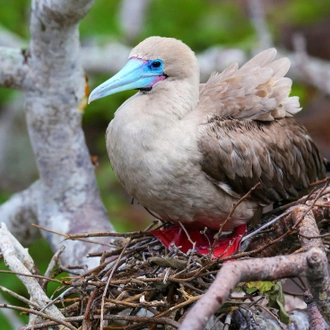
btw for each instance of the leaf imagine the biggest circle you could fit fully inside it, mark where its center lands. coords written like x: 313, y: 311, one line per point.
x: 273, y: 291
x: 261, y: 286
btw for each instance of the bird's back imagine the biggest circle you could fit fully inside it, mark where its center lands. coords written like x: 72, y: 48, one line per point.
x: 247, y: 134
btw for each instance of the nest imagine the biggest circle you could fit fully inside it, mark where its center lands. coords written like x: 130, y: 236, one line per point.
x: 141, y: 284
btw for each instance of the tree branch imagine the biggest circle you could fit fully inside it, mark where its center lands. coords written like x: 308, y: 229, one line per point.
x: 244, y: 271
x: 19, y: 261
x: 10, y: 315
x: 20, y: 211
x: 70, y: 201
x: 312, y: 264
x: 132, y: 15
x: 257, y: 16
x: 14, y: 71
x: 53, y: 81
x: 10, y: 39
x: 317, y: 273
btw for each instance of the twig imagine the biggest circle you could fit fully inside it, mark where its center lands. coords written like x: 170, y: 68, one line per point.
x: 266, y: 225
x: 108, y: 282
x: 235, y: 205
x: 13, y: 318
x: 189, y: 238
x: 43, y: 315
x: 18, y: 260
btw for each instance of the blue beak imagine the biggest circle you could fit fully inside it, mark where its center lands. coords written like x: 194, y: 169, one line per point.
x: 136, y: 74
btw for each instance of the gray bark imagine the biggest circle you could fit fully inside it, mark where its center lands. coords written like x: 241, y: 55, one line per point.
x: 52, y: 79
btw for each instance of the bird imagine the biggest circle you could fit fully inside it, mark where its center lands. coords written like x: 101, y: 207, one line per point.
x: 189, y: 151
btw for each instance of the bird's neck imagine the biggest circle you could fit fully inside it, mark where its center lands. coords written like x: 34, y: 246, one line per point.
x: 164, y: 105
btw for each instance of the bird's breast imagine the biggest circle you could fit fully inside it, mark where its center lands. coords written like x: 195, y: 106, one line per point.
x: 151, y: 163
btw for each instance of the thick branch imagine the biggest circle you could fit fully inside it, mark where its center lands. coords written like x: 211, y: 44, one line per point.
x: 316, y: 319
x: 68, y: 199
x: 10, y: 39
x: 257, y: 16
x: 14, y: 71
x: 317, y: 274
x: 19, y: 261
x: 92, y: 58
x: 243, y: 271
x: 310, y: 70
x: 60, y: 12
x: 19, y: 212
x: 132, y: 15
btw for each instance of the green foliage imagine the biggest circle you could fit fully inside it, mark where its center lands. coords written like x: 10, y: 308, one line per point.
x: 198, y: 23
x: 102, y: 20
x: 15, y: 16
x: 274, y: 293
x: 301, y: 91
x: 4, y: 196
x: 303, y: 12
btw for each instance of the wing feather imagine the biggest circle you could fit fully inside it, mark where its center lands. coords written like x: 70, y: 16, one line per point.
x: 237, y: 154
x: 258, y: 90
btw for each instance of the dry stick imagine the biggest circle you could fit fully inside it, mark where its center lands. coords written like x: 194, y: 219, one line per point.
x: 11, y: 315
x: 79, y: 238
x: 315, y: 318
x: 42, y: 277
x: 191, y: 241
x: 266, y: 225
x: 108, y: 282
x: 292, y: 206
x: 87, y: 319
x: 315, y: 267
x: 18, y: 259
x: 287, y: 223
x: 54, y: 261
x: 96, y: 234
x: 43, y: 315
x: 19, y: 297
x: 235, y: 205
x: 310, y: 207
x: 244, y: 271
x: 141, y: 320
x: 317, y: 274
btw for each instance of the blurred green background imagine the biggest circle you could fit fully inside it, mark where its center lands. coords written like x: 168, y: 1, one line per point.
x: 199, y: 23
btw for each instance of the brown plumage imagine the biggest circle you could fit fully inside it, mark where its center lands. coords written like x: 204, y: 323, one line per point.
x: 188, y: 152
x: 251, y: 125
x: 279, y: 154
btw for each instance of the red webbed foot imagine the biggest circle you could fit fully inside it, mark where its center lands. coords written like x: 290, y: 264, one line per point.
x: 224, y: 247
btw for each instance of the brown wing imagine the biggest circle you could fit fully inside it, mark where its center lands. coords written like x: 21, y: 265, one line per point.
x: 240, y: 153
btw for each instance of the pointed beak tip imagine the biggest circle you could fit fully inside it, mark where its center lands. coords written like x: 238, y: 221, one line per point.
x: 92, y: 97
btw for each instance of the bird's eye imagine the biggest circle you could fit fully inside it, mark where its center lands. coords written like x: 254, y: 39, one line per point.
x: 156, y: 64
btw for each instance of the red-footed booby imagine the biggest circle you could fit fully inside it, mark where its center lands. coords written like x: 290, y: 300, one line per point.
x: 189, y: 151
